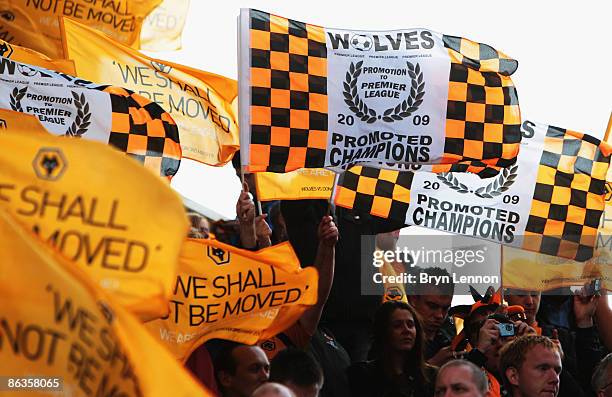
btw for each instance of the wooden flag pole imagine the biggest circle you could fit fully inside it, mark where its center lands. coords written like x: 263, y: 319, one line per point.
x: 607, y: 134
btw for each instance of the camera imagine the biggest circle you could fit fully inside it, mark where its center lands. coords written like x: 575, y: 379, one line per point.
x: 594, y: 287
x: 506, y: 329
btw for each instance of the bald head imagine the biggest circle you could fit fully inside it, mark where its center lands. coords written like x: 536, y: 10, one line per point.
x: 272, y: 389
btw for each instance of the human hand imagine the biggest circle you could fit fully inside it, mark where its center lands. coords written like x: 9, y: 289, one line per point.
x: 327, y: 232
x: 245, y: 207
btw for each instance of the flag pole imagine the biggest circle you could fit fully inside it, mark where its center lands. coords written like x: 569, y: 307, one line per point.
x: 609, y: 129
x: 333, y: 193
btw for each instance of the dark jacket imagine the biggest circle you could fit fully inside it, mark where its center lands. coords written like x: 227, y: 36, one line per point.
x: 368, y: 379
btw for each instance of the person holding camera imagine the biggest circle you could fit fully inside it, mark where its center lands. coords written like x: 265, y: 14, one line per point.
x: 487, y: 332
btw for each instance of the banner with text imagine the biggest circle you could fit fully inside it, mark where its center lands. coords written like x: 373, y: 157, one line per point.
x: 65, y: 334
x: 202, y: 104
x: 229, y: 293
x: 36, y: 23
x: 550, y: 201
x: 305, y: 183
x: 70, y: 106
x: 104, y: 212
x: 314, y: 97
x: 162, y: 29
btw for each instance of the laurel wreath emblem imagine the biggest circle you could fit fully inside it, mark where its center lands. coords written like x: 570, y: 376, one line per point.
x: 81, y: 122
x: 501, y: 184
x: 395, y: 113
x: 16, y: 97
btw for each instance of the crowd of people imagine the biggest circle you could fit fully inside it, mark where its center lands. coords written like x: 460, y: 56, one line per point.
x: 509, y: 342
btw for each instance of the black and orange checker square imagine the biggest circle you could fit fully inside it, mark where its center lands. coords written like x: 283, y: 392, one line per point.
x: 535, y: 224
x: 572, y: 232
x: 279, y: 42
x: 260, y: 20
x: 299, y: 100
x: 298, y: 63
x: 260, y: 134
x: 349, y: 180
x: 279, y: 155
x: 474, y: 130
x: 492, y: 79
x: 384, y: 188
x: 260, y: 58
x: 454, y: 146
x: 261, y: 96
x: 363, y: 200
x: 592, y: 217
x: 280, y: 117
x: 280, y: 79
x: 543, y: 192
x: 510, y: 96
x: 119, y: 140
x: 317, y: 121
x: 557, y: 212
x: 476, y: 93
x: 512, y: 133
x: 398, y: 210
x: 494, y: 114
x: 492, y: 149
x: 456, y: 110
x: 315, y: 158
x: 298, y: 137
x: 459, y: 73
x: 155, y: 146
x: 550, y: 245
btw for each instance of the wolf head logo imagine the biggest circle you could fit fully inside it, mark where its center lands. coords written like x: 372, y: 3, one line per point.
x: 160, y: 67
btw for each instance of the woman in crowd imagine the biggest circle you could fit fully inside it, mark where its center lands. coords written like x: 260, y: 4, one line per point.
x: 398, y: 368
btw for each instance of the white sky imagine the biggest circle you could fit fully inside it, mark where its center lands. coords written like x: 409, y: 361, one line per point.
x: 563, y: 49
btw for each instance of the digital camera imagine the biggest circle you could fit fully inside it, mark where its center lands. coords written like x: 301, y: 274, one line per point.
x: 506, y: 329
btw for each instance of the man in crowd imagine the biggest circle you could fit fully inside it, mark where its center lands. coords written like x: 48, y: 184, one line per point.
x: 272, y: 389
x: 240, y: 369
x: 602, y: 377
x: 530, y: 367
x: 461, y: 378
x: 432, y: 302
x: 297, y: 370
x: 580, y: 344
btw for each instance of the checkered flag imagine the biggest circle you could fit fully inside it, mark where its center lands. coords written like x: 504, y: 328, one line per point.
x: 569, y: 196
x: 287, y: 109
x: 562, y: 217
x: 143, y: 130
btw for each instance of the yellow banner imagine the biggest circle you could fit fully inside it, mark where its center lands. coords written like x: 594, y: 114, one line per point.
x: 204, y: 105
x: 162, y: 29
x: 17, y: 121
x: 36, y: 23
x: 305, y: 183
x: 228, y: 293
x: 26, y: 55
x: 56, y: 323
x: 102, y: 210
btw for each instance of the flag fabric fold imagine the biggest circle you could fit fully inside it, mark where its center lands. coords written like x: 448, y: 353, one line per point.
x: 315, y: 97
x: 202, y: 104
x: 234, y: 294
x: 58, y: 324
x: 104, y: 212
x: 36, y: 24
x: 26, y: 55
